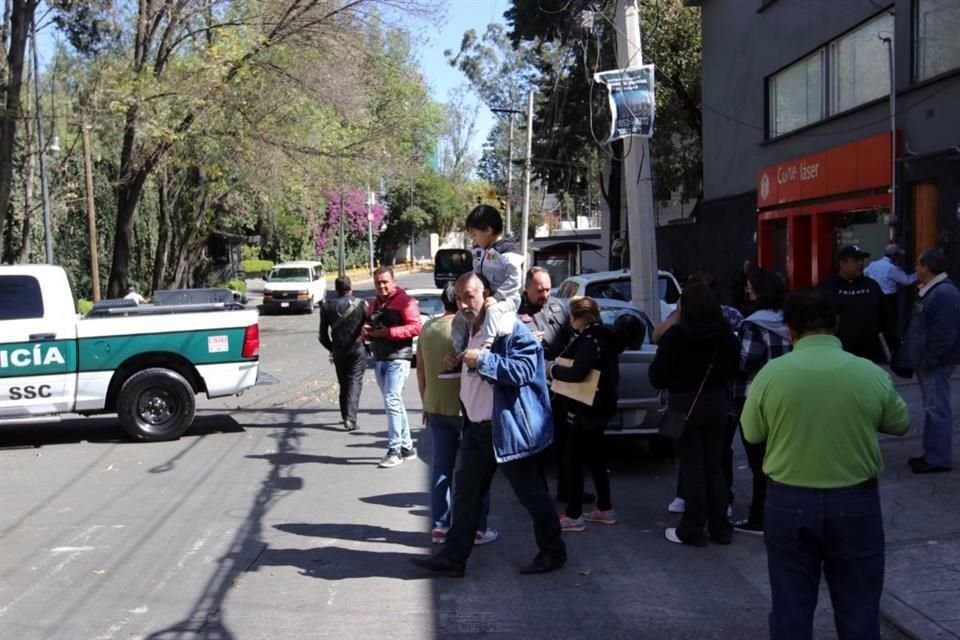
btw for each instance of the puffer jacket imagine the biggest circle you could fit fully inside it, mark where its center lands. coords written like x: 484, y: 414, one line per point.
x: 502, y: 266
x: 522, y: 422
x: 401, y: 315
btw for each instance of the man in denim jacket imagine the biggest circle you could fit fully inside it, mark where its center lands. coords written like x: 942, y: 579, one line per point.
x: 507, y: 422
x: 932, y: 347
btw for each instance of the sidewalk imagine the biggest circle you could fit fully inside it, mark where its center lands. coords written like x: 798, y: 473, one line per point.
x: 922, y: 525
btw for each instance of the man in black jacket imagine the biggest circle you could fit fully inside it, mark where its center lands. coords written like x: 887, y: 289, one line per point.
x: 860, y: 304
x: 341, y: 321
x: 549, y: 321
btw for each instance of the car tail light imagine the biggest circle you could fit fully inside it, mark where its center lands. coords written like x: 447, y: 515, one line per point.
x: 251, y: 342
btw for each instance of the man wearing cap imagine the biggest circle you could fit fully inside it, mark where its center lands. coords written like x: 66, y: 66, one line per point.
x: 890, y: 275
x: 861, y: 306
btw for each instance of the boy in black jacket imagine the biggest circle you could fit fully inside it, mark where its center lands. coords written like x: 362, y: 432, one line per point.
x: 860, y: 304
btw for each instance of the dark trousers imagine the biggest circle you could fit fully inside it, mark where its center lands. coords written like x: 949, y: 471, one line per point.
x: 755, y: 454
x: 839, y: 531
x: 556, y: 450
x: 585, y: 444
x: 704, y: 487
x: 726, y: 463
x: 473, y: 478
x: 350, y: 367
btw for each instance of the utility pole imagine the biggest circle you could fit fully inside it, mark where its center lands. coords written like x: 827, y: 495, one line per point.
x: 341, y: 260
x: 638, y: 187
x: 525, y: 220
x: 508, y: 224
x: 91, y: 212
x: 891, y: 51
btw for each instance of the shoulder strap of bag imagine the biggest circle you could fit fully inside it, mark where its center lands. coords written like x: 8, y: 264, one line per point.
x: 702, y: 383
x: 354, y: 305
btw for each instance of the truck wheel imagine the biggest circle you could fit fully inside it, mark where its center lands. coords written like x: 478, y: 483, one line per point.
x: 156, y: 404
x: 310, y: 307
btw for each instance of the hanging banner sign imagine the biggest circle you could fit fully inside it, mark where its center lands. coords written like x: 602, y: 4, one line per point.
x: 631, y: 101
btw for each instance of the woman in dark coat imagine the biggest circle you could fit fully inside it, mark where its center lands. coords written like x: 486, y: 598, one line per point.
x: 701, y: 340
x: 594, y: 347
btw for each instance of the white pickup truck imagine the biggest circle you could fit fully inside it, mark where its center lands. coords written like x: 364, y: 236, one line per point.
x: 144, y: 362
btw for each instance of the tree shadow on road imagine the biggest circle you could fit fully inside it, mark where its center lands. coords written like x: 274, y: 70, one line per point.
x: 290, y: 458
x: 355, y: 532
x: 337, y: 563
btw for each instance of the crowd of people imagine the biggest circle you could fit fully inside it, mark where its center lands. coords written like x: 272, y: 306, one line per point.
x: 502, y: 373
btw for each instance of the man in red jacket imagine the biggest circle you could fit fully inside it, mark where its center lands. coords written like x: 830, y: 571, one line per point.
x: 392, y: 324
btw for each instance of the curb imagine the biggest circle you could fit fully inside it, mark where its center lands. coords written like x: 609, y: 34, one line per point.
x: 909, y: 621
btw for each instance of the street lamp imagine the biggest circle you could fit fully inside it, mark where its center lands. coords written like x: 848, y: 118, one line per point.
x: 371, y: 200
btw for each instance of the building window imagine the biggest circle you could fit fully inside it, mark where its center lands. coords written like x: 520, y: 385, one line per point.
x: 935, y: 38
x: 860, y: 65
x: 796, y: 95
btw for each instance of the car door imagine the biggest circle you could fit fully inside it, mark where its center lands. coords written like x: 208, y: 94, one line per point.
x: 37, y: 350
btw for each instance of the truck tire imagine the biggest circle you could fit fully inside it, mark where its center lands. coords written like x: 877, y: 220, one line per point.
x: 156, y: 404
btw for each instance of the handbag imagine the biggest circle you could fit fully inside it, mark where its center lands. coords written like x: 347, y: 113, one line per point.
x: 673, y: 422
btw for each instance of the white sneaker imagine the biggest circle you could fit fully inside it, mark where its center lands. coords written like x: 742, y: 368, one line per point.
x: 671, y: 535
x: 392, y: 459
x: 677, y: 505
x: 485, y: 537
x: 729, y: 511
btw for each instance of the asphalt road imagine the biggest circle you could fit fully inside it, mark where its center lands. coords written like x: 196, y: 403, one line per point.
x: 268, y: 521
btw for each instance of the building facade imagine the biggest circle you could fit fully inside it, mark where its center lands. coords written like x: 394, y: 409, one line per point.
x: 801, y: 133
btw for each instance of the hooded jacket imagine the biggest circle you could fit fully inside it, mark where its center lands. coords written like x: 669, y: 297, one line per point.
x: 502, y: 266
x: 597, y: 347
x: 522, y: 422
x: 763, y: 337
x: 683, y: 355
x: 400, y: 314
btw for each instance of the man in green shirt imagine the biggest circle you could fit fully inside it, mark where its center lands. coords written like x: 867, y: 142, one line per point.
x: 441, y: 415
x: 819, y: 410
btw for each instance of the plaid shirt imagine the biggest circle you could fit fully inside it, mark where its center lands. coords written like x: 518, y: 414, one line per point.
x: 758, y: 345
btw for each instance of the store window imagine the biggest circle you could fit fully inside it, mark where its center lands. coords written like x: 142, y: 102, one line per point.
x: 796, y: 95
x: 936, y: 45
x: 867, y: 229
x: 860, y: 65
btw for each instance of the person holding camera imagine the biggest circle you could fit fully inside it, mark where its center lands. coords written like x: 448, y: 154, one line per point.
x: 392, y: 324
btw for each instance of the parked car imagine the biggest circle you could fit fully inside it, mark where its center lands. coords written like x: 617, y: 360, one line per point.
x: 294, y: 286
x: 638, y: 402
x: 616, y: 285
x: 144, y: 362
x: 448, y: 264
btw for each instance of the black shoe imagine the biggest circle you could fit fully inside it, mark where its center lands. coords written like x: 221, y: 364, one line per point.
x: 746, y: 526
x: 408, y: 454
x: 926, y: 467
x: 349, y: 425
x: 915, y: 461
x: 544, y: 564
x: 441, y: 565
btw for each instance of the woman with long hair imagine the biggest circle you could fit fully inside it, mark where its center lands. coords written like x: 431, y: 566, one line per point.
x: 696, y: 361
x: 594, y: 347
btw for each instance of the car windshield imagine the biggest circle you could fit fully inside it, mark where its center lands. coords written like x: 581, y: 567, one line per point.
x: 290, y: 274
x: 458, y: 261
x: 430, y: 305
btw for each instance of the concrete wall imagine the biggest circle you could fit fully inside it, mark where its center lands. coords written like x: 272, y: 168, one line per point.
x: 743, y: 46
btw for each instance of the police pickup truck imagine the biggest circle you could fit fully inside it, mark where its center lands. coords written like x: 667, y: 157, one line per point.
x: 144, y: 362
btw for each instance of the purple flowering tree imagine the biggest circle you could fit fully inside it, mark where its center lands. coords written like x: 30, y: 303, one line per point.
x: 352, y: 202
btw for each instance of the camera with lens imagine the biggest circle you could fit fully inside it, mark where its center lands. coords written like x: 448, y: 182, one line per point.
x: 376, y: 319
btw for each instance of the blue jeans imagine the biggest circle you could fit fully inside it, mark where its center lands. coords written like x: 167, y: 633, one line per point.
x: 445, y: 431
x: 839, y: 531
x: 391, y: 376
x: 937, y: 415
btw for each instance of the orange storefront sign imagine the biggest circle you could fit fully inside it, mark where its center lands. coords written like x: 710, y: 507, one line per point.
x: 853, y: 167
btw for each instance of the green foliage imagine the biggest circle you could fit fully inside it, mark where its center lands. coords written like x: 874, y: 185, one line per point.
x: 254, y: 267
x: 234, y: 285
x: 84, y: 306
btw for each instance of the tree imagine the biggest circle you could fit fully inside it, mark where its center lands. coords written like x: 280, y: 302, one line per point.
x: 21, y: 17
